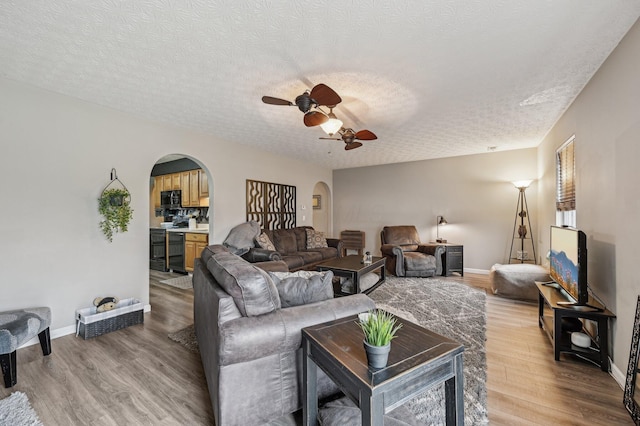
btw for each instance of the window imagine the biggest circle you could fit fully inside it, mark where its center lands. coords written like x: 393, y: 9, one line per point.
x: 566, y: 184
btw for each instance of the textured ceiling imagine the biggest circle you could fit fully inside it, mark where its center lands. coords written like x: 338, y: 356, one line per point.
x: 431, y: 78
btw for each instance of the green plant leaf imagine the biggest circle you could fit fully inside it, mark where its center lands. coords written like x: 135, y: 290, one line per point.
x: 116, y: 218
x: 379, y: 328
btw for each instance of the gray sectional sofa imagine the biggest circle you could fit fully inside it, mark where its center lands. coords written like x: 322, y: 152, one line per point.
x: 249, y: 344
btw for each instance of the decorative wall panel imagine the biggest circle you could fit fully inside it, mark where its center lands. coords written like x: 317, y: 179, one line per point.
x: 272, y: 205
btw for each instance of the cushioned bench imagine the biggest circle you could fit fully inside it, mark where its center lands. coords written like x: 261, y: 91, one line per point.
x: 16, y: 328
x: 517, y: 281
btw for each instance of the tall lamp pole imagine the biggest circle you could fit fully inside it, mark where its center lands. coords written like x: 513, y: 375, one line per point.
x: 522, y: 211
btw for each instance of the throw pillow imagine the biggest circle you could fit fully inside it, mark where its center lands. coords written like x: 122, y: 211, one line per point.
x: 315, y: 239
x: 251, y: 288
x: 241, y: 237
x: 303, y: 287
x: 264, y: 242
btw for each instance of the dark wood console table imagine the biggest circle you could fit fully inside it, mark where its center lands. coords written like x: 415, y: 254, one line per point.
x: 551, y: 322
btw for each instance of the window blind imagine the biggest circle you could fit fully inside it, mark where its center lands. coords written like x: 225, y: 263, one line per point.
x: 566, y: 176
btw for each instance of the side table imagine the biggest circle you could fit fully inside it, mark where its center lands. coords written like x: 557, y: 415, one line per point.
x: 352, y: 267
x: 453, y: 259
x: 419, y: 359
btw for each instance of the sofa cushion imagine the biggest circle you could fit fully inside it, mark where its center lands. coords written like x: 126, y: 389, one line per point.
x: 241, y: 237
x: 303, y: 287
x: 416, y: 261
x: 400, y: 235
x: 327, y: 252
x: 310, y: 256
x: 293, y: 261
x: 251, y: 288
x: 264, y: 242
x: 315, y: 239
x: 285, y: 241
x: 212, y: 250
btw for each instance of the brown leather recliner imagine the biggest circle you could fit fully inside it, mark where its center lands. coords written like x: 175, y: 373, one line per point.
x: 406, y: 256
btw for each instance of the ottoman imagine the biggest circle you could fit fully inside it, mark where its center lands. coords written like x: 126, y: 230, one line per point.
x: 517, y: 281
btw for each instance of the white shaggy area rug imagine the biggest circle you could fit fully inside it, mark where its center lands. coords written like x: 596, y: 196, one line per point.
x: 15, y: 410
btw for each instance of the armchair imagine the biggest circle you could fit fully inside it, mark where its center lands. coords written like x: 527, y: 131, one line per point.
x: 406, y: 256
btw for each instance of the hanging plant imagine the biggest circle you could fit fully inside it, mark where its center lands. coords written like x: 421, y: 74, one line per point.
x: 114, y: 206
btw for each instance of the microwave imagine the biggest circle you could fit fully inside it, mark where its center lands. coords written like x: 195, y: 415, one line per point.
x: 171, y: 199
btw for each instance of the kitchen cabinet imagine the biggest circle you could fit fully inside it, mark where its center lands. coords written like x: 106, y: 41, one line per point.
x: 185, y: 187
x: 204, y: 184
x: 193, y: 184
x: 176, y: 181
x: 194, y: 243
x: 166, y: 183
x: 194, y: 188
x: 158, y: 187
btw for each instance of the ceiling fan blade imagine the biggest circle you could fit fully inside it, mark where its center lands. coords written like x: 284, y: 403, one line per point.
x: 365, y: 135
x: 352, y: 145
x: 331, y: 139
x: 314, y: 118
x: 325, y: 95
x: 276, y: 101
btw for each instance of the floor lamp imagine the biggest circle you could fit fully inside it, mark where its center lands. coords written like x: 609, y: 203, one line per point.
x: 522, y: 212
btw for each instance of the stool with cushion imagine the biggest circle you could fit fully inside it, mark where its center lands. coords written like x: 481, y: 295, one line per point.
x: 16, y: 328
x: 517, y: 281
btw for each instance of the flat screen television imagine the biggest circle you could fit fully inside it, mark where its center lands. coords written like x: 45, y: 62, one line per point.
x: 568, y: 263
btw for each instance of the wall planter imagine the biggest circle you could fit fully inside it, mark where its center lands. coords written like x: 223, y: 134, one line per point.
x: 114, y: 205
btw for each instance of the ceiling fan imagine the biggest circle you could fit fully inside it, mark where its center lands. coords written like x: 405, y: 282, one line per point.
x: 351, y: 138
x: 320, y: 95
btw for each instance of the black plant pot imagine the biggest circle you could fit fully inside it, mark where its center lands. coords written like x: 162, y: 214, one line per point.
x: 377, y: 356
x: 116, y: 200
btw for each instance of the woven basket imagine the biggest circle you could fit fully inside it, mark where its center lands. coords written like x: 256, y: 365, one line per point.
x: 90, y: 324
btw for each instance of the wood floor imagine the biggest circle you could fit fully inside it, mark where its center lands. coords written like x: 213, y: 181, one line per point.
x: 137, y: 376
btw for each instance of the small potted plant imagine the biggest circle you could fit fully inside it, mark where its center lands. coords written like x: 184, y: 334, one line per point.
x: 114, y: 206
x: 379, y: 329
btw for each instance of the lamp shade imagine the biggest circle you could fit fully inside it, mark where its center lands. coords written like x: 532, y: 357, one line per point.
x: 332, y: 125
x: 522, y: 183
x: 442, y: 221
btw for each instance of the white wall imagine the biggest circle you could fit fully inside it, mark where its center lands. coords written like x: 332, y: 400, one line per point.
x: 322, y: 215
x: 474, y: 193
x: 57, y: 153
x: 606, y: 121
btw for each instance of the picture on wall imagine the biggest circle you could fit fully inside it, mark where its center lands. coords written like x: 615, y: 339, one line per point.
x: 316, y: 203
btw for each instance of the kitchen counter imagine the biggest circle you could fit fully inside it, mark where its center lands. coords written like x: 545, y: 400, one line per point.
x: 199, y: 230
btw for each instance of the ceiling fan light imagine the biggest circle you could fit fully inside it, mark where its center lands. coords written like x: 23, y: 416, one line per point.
x: 331, y: 126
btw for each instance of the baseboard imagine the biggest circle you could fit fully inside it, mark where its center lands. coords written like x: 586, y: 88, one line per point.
x: 65, y: 331
x: 617, y: 375
x: 477, y: 271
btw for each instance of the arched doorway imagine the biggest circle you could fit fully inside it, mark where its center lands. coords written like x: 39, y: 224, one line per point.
x: 180, y: 198
x: 321, y: 203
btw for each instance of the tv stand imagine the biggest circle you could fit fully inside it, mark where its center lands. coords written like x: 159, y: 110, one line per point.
x: 585, y: 307
x: 551, y: 310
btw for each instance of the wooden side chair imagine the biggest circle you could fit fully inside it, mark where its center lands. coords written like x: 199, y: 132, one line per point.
x: 16, y: 328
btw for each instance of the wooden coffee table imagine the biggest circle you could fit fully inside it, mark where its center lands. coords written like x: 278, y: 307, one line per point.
x: 419, y: 359
x: 353, y: 268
